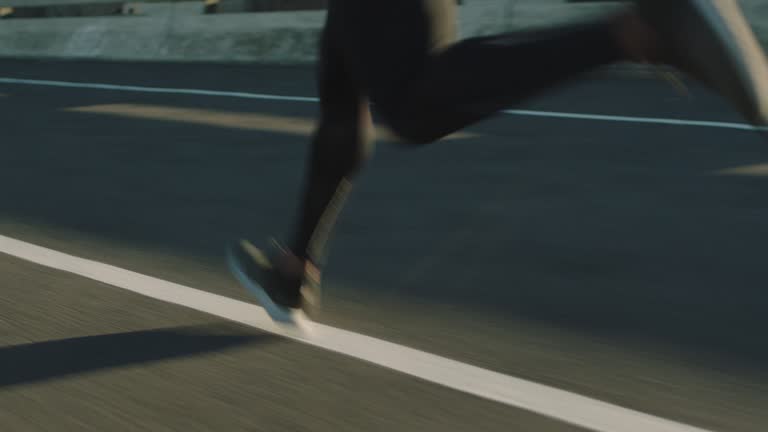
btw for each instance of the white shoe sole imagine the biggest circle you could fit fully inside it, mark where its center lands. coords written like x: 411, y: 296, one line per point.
x: 289, y: 318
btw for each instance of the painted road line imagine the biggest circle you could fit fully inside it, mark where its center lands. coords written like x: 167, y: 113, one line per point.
x: 515, y: 392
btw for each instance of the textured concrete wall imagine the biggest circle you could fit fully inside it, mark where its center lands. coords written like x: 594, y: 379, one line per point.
x: 179, y: 31
x: 289, y: 37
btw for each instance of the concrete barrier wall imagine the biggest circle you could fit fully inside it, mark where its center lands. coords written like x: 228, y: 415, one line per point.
x: 276, y: 37
x: 180, y: 32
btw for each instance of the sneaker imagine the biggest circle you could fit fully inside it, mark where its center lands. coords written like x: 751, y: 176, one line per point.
x: 283, y: 285
x: 712, y: 41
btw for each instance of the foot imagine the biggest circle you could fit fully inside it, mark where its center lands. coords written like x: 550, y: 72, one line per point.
x: 713, y: 42
x: 285, y: 285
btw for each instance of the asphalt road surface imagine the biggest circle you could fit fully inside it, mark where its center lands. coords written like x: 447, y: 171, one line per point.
x: 622, y: 261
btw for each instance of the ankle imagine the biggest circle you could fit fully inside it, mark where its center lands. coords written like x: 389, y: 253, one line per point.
x: 289, y: 264
x: 292, y: 265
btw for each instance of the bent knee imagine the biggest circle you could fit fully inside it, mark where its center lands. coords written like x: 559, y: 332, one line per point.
x: 414, y: 126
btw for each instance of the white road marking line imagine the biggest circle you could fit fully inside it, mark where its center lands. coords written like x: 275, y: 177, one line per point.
x: 548, y: 401
x: 262, y: 96
x: 166, y: 90
x: 652, y: 120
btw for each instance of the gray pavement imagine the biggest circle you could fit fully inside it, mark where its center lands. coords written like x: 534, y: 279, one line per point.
x: 610, y: 259
x: 83, y: 357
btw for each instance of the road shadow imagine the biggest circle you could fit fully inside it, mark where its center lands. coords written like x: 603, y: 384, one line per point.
x: 42, y: 361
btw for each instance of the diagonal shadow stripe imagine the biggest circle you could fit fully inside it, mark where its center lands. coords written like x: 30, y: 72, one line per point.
x: 41, y: 361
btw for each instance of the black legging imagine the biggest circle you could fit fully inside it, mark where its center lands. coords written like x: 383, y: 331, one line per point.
x: 401, y: 56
